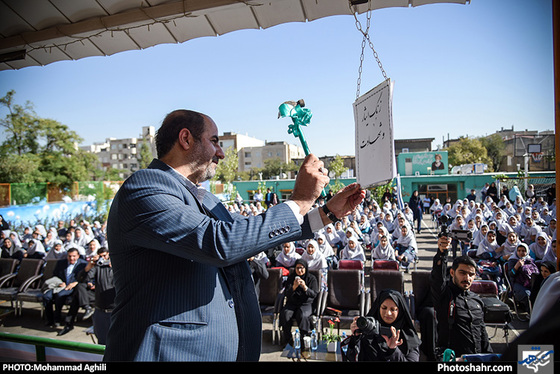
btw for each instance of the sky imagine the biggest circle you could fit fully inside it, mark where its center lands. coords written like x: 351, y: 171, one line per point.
x: 458, y: 70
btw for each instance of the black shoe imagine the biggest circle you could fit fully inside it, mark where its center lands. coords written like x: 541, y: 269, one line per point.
x: 65, y: 330
x: 88, y: 313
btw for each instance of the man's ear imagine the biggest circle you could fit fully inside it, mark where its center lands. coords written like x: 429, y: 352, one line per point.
x: 184, y: 139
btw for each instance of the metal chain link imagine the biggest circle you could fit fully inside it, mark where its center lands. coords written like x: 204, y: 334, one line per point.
x: 366, y: 38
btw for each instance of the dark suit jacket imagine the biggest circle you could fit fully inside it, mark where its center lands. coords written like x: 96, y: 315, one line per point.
x: 61, y: 266
x: 184, y: 290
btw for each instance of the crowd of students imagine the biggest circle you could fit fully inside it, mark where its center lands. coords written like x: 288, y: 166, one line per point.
x: 52, y: 244
x: 512, y: 240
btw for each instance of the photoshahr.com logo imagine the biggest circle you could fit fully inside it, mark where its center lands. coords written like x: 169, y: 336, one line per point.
x: 536, y: 359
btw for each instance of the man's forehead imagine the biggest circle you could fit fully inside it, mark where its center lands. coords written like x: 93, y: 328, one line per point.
x: 210, y: 127
x: 466, y: 268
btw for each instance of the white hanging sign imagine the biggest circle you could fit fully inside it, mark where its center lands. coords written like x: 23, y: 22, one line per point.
x: 375, y: 149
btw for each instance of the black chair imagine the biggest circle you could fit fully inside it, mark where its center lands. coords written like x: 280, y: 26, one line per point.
x: 496, y: 312
x: 508, y: 296
x: 345, y: 297
x: 384, y: 279
x: 315, y: 307
x: 423, y: 312
x: 11, y: 284
x: 31, y: 290
x: 270, y: 296
x: 7, y: 267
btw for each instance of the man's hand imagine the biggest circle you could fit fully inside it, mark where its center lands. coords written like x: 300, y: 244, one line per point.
x: 345, y: 201
x: 311, y: 180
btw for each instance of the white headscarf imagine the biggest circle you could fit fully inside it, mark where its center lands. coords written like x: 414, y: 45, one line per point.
x: 383, y: 253
x: 315, y: 261
x: 353, y: 254
x: 408, y: 240
x: 288, y: 259
x: 538, y: 249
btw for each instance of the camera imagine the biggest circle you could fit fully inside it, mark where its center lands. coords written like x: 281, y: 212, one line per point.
x: 370, y: 326
x: 461, y: 235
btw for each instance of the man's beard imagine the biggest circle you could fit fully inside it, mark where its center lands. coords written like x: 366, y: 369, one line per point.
x: 210, y: 171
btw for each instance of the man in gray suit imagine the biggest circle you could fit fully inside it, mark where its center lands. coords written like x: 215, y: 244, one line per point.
x: 184, y: 290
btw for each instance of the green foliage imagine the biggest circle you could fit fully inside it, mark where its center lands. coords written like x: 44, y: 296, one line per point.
x: 467, y: 151
x: 495, y: 148
x: 227, y: 170
x: 40, y: 150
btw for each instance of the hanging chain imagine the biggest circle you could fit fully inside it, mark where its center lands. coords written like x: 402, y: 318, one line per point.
x: 366, y: 38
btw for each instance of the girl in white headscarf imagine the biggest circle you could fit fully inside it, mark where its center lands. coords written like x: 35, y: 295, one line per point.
x: 331, y: 236
x: 288, y: 256
x: 57, y: 252
x: 510, y: 246
x: 380, y: 233
x: 353, y: 250
x: 406, y: 247
x: 539, y: 248
x: 383, y: 251
x: 487, y: 248
x: 480, y: 235
x: 521, y: 268
x: 35, y: 249
x: 388, y: 222
x: 314, y: 257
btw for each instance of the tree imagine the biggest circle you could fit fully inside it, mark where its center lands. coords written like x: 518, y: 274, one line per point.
x: 495, y: 148
x: 40, y: 150
x: 467, y: 151
x: 146, y: 155
x: 337, y: 168
x: 227, y: 169
x: 275, y: 167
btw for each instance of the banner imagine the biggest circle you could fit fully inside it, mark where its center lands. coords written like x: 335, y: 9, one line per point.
x: 375, y: 148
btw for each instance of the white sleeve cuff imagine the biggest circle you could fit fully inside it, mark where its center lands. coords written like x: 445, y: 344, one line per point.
x: 295, y: 209
x: 315, y: 220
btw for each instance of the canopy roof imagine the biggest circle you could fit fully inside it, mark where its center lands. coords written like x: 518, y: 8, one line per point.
x: 39, y: 32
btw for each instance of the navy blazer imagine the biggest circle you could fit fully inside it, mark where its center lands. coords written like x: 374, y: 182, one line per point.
x: 61, y: 266
x: 184, y: 290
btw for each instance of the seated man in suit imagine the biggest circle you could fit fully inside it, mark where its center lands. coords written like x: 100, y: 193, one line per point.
x: 64, y: 283
x: 184, y: 290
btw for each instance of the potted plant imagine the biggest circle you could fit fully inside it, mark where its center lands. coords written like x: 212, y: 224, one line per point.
x: 332, y: 339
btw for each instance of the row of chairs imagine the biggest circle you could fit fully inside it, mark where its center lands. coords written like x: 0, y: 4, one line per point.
x: 345, y: 296
x: 22, y: 281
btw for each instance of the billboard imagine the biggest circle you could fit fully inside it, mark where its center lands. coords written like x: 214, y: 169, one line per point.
x: 422, y: 163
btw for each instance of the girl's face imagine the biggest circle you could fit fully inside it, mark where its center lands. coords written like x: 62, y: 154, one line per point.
x: 541, y: 241
x: 512, y: 237
x: 484, y: 229
x: 521, y: 252
x: 491, y: 237
x: 388, y: 311
x: 351, y: 244
x: 383, y: 241
x: 310, y: 249
x: 287, y: 248
x: 320, y: 241
x: 545, y: 272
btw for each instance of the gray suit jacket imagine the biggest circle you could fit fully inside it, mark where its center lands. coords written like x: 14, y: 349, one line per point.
x: 184, y: 290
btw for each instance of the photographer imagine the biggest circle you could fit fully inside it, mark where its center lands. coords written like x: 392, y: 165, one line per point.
x: 99, y: 275
x: 386, y: 333
x: 459, y: 311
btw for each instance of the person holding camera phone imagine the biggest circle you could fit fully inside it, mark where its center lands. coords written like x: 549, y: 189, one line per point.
x: 386, y: 333
x: 459, y: 311
x: 301, y: 288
